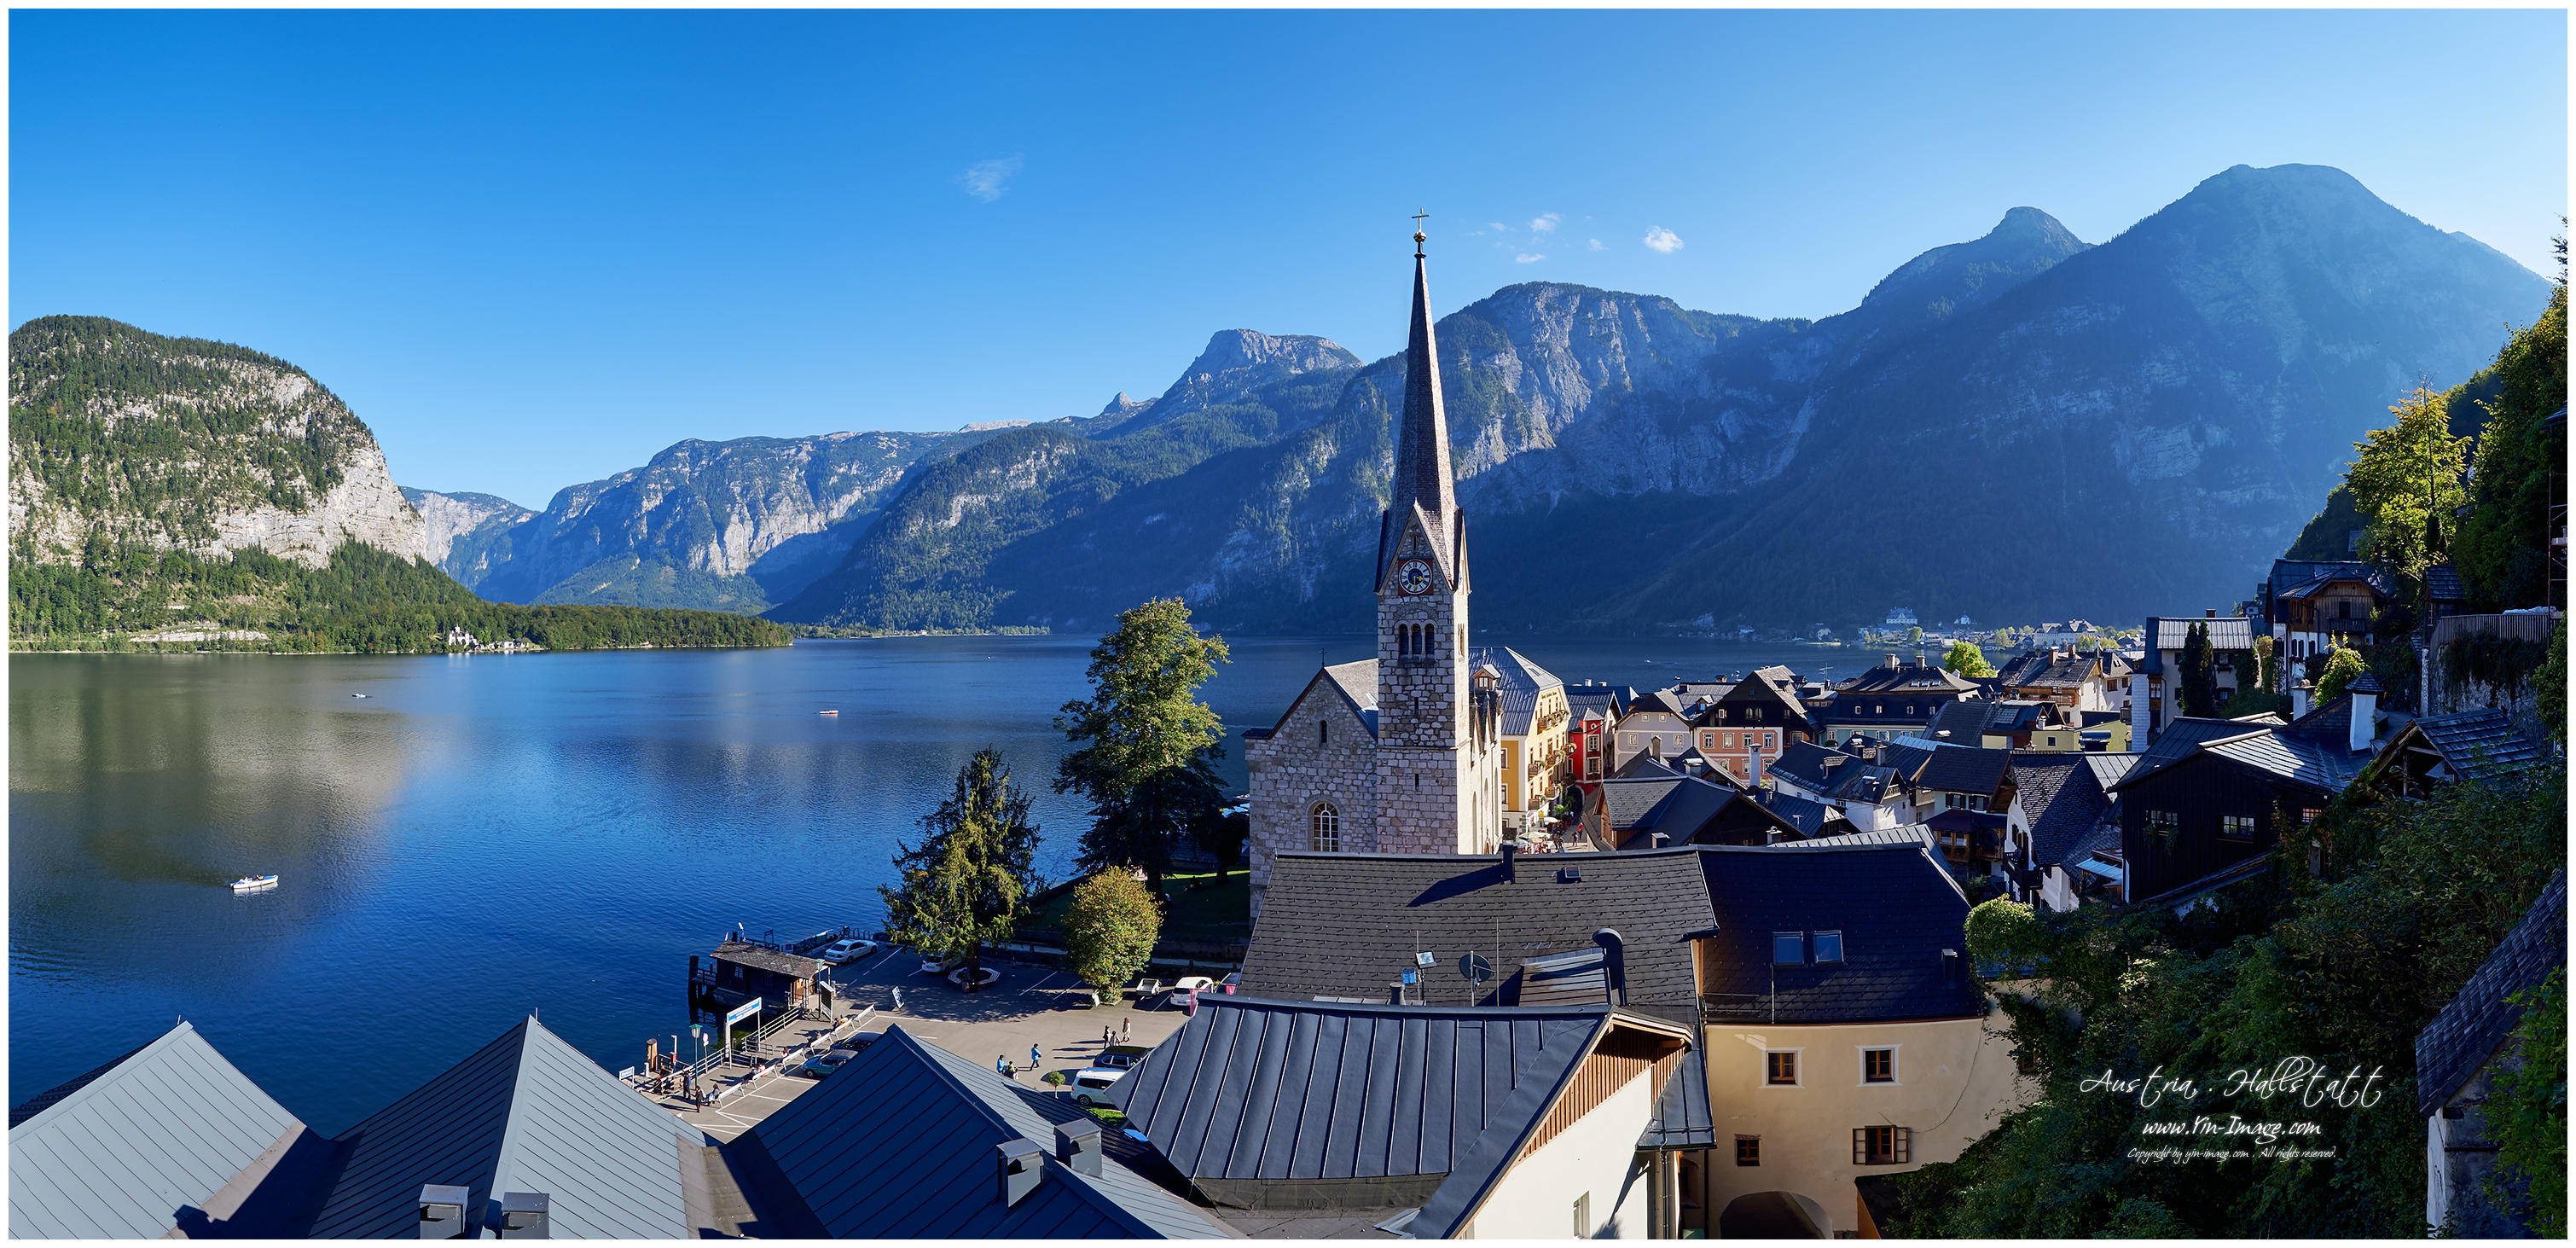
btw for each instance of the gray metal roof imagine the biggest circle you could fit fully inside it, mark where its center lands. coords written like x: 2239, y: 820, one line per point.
x: 1522, y: 682
x: 1912, y: 834
x: 1252, y: 1090
x: 2467, y: 1032
x: 130, y: 1145
x: 1682, y: 1111
x: 899, y: 1144
x: 525, y: 1113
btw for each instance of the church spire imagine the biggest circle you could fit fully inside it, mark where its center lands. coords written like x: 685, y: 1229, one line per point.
x: 1422, y: 440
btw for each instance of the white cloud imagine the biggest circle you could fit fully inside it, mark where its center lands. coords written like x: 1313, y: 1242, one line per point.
x: 984, y: 179
x: 1498, y: 227
x: 1596, y: 245
x: 1527, y: 258
x: 1663, y: 240
x: 1544, y: 223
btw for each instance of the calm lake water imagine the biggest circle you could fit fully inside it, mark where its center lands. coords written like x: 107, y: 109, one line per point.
x: 478, y: 837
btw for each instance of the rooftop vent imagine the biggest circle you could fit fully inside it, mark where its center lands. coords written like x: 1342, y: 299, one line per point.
x: 1614, y: 963
x: 527, y: 1215
x: 1017, y: 1165
x: 1077, y: 1145
x: 1949, y: 968
x: 442, y: 1211
x: 1511, y: 851
x: 1570, y: 875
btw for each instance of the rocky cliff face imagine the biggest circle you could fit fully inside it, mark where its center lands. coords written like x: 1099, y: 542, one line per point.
x: 752, y: 519
x: 122, y: 437
x: 468, y: 533
x: 2013, y: 426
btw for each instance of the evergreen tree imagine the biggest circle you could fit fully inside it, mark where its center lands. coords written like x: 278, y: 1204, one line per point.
x: 964, y: 885
x: 1149, y: 763
x: 2199, y: 672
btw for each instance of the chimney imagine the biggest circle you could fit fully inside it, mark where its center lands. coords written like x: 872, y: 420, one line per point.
x: 1949, y: 968
x: 1891, y: 660
x: 1614, y: 964
x: 1017, y: 1165
x: 1077, y: 1145
x: 1511, y: 855
x: 442, y: 1211
x: 1755, y: 767
x: 1659, y: 838
x: 2299, y: 694
x: 2365, y: 690
x: 527, y: 1215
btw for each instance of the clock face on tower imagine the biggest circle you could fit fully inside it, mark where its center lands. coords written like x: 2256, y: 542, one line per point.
x: 1413, y: 576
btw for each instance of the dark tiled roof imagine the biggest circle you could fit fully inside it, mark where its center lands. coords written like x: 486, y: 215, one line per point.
x: 2062, y: 800
x: 1252, y: 1091
x: 2442, y: 582
x: 1962, y: 723
x: 1865, y: 784
x: 1965, y: 769
x: 2038, y: 668
x: 525, y: 1113
x: 1347, y: 925
x: 2180, y: 740
x: 2227, y: 632
x: 1906, y: 834
x: 2479, y: 745
x: 162, y: 1128
x: 1895, y: 906
x: 1680, y: 807
x: 1611, y: 700
x: 2290, y: 758
x: 1809, y: 766
x: 2468, y: 1031
x: 1808, y: 817
x: 900, y: 1144
x: 1907, y: 678
x: 2299, y: 577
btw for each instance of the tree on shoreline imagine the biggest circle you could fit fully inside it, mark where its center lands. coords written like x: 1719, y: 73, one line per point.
x: 965, y: 885
x: 1149, y: 765
x: 1967, y: 660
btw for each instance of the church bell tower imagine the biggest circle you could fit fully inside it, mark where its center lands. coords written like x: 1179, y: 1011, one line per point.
x: 1439, y: 775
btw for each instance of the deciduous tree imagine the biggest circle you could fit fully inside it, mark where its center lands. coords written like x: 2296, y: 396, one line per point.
x: 1967, y: 660
x: 2342, y: 666
x: 1110, y: 929
x: 1147, y: 764
x: 2406, y: 479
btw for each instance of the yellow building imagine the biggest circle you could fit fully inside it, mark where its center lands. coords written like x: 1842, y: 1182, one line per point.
x: 1535, y: 715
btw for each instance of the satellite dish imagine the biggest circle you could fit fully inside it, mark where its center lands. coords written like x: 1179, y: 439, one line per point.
x: 1475, y: 968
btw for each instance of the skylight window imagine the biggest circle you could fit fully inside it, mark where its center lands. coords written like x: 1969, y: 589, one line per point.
x: 1788, y: 948
x: 1829, y: 946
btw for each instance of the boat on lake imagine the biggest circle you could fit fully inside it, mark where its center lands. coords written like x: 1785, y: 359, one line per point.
x: 250, y: 882
x: 827, y: 712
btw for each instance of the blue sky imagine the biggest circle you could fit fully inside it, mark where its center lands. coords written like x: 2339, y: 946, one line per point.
x: 532, y: 249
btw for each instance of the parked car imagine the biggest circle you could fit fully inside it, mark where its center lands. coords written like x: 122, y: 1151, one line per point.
x: 848, y: 951
x: 822, y: 1064
x: 1091, y: 1087
x: 1122, y: 1056
x: 1194, y: 983
x: 1145, y: 989
x: 941, y: 966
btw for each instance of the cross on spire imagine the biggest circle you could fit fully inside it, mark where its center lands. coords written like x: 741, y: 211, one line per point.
x: 1418, y: 235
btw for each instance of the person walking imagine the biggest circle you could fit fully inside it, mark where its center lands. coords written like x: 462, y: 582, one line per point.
x: 1001, y: 1066
x: 1034, y: 1060
x: 1122, y: 1029
x: 1104, y: 1037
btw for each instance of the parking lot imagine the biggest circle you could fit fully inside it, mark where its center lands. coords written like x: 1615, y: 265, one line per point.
x: 1029, y: 1007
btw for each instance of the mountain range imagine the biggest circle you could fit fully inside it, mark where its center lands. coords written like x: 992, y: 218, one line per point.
x: 2016, y: 426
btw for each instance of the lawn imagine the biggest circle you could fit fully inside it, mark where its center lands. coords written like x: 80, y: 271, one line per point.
x: 1196, y: 911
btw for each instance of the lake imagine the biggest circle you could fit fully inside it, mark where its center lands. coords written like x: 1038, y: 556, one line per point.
x: 479, y: 837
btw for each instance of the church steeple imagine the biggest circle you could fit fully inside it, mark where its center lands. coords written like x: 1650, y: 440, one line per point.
x: 1422, y: 440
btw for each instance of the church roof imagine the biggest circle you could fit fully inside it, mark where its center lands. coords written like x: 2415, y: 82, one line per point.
x: 1422, y: 439
x: 1355, y: 682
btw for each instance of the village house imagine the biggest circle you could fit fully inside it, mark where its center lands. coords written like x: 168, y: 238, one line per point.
x: 1650, y: 804
x: 1868, y: 796
x: 1658, y: 725
x: 2155, y: 697
x: 1837, y: 1030
x: 2075, y: 680
x: 1753, y: 722
x: 1891, y: 700
x: 2005, y: 724
x: 2199, y: 808
x: 2310, y: 607
x: 2058, y: 824
x: 1592, y: 709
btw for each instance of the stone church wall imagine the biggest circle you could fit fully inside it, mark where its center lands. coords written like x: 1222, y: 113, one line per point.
x: 1291, y: 771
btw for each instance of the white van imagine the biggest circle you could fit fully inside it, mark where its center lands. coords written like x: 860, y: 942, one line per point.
x: 1091, y: 1087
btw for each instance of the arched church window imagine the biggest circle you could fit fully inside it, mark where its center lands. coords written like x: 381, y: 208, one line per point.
x: 1324, y: 827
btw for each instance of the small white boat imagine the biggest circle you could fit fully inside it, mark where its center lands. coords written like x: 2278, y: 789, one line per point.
x: 357, y: 695
x: 827, y: 712
x: 249, y: 882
